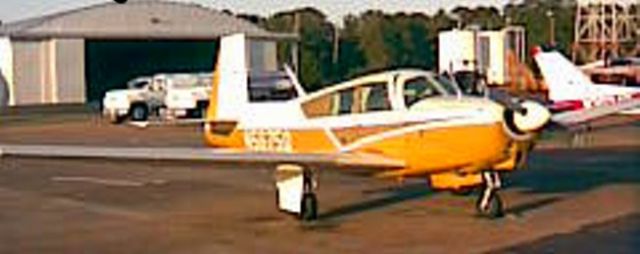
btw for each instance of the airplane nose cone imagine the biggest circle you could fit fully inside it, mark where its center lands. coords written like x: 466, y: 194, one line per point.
x: 521, y: 120
x: 531, y: 117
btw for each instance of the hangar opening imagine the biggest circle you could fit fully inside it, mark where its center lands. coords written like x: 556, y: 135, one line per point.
x: 74, y: 57
x: 110, y: 64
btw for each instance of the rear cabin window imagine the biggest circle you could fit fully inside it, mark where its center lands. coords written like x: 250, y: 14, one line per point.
x: 360, y: 99
x: 332, y: 104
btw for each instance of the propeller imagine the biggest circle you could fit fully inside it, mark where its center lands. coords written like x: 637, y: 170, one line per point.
x: 521, y: 120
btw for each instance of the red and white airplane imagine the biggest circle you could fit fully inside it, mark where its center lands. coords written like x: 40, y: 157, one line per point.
x: 575, y: 98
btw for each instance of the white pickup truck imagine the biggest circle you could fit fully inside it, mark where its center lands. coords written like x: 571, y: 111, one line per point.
x: 167, y: 96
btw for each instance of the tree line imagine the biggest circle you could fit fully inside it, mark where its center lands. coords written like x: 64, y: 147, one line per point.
x: 376, y: 40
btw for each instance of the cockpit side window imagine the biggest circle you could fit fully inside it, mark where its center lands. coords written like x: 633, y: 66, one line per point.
x: 419, y: 88
x: 333, y: 104
x: 343, y: 102
x: 375, y: 97
x: 364, y: 98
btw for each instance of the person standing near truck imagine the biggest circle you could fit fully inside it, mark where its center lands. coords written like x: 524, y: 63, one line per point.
x: 4, y: 92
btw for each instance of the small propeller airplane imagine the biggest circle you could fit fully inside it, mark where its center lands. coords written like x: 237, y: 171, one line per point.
x: 394, y: 124
x: 575, y: 98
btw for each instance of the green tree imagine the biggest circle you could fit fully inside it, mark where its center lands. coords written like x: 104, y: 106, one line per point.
x: 315, y: 43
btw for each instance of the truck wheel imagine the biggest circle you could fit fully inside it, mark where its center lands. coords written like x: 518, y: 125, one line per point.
x: 139, y: 112
x: 201, y: 110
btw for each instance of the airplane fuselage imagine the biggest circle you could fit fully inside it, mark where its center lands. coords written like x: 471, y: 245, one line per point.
x: 447, y: 134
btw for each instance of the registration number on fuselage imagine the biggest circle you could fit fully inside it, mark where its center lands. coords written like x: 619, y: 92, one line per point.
x: 268, y: 140
x: 607, y: 100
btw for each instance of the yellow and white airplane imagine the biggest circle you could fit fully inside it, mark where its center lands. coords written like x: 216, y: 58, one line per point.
x: 398, y: 124
x: 404, y: 123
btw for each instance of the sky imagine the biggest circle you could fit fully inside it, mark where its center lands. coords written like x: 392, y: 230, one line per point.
x: 12, y: 10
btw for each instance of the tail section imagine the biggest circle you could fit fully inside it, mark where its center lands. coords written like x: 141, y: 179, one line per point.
x: 229, y: 93
x: 564, y: 80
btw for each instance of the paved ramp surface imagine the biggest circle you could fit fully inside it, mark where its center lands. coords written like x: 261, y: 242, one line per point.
x: 106, y: 206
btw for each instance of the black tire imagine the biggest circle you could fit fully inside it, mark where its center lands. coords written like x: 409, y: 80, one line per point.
x: 309, y: 210
x: 197, y: 113
x: 493, y: 210
x: 201, y: 110
x: 139, y: 112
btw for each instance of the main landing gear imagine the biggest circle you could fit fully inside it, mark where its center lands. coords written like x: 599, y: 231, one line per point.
x: 295, y: 191
x: 489, y: 203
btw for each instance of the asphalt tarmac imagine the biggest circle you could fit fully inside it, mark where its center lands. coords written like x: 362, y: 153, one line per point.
x: 566, y: 201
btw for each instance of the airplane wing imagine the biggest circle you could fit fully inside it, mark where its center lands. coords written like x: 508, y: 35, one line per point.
x: 583, y: 115
x: 368, y: 161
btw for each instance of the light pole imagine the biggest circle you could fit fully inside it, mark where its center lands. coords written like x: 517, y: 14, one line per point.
x: 552, y: 28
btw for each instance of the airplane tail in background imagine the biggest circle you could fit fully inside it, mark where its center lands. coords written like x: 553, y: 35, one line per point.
x: 564, y: 80
x: 230, y: 76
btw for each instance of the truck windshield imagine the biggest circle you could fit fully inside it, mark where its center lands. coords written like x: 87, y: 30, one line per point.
x: 138, y: 84
x: 186, y: 82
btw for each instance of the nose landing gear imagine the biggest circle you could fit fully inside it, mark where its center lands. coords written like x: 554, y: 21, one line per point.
x: 489, y: 203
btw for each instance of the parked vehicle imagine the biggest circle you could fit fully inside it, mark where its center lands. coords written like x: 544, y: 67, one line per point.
x: 167, y: 96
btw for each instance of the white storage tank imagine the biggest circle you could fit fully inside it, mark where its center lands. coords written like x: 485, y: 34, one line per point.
x: 456, y: 51
x: 485, y: 52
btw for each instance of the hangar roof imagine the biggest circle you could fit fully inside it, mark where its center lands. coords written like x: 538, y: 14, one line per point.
x: 140, y: 19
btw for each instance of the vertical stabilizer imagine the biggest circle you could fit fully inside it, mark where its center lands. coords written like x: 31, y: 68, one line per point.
x: 564, y: 80
x: 229, y: 94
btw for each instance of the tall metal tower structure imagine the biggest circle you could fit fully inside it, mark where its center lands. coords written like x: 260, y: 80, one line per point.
x: 606, y: 27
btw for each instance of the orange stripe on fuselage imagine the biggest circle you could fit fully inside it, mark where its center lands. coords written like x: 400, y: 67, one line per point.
x: 424, y: 151
x: 446, y: 148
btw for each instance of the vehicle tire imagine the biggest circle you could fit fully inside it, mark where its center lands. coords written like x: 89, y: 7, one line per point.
x: 493, y: 210
x: 200, y: 111
x: 139, y: 112
x: 309, y: 210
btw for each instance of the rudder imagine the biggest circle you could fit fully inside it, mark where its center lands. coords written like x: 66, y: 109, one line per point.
x: 229, y: 93
x: 564, y: 80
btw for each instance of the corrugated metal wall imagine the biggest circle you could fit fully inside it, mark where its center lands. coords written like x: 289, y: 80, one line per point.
x: 29, y: 71
x: 48, y: 71
x: 70, y: 71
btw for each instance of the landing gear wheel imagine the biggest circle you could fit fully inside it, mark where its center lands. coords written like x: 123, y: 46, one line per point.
x: 309, y: 210
x: 489, y: 204
x: 492, y: 209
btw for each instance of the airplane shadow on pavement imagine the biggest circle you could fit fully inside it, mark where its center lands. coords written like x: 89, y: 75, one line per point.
x: 548, y: 172
x: 561, y: 171
x: 394, y: 195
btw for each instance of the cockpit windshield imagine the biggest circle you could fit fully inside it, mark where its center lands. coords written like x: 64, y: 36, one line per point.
x: 427, y: 86
x: 447, y: 84
x: 419, y: 88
